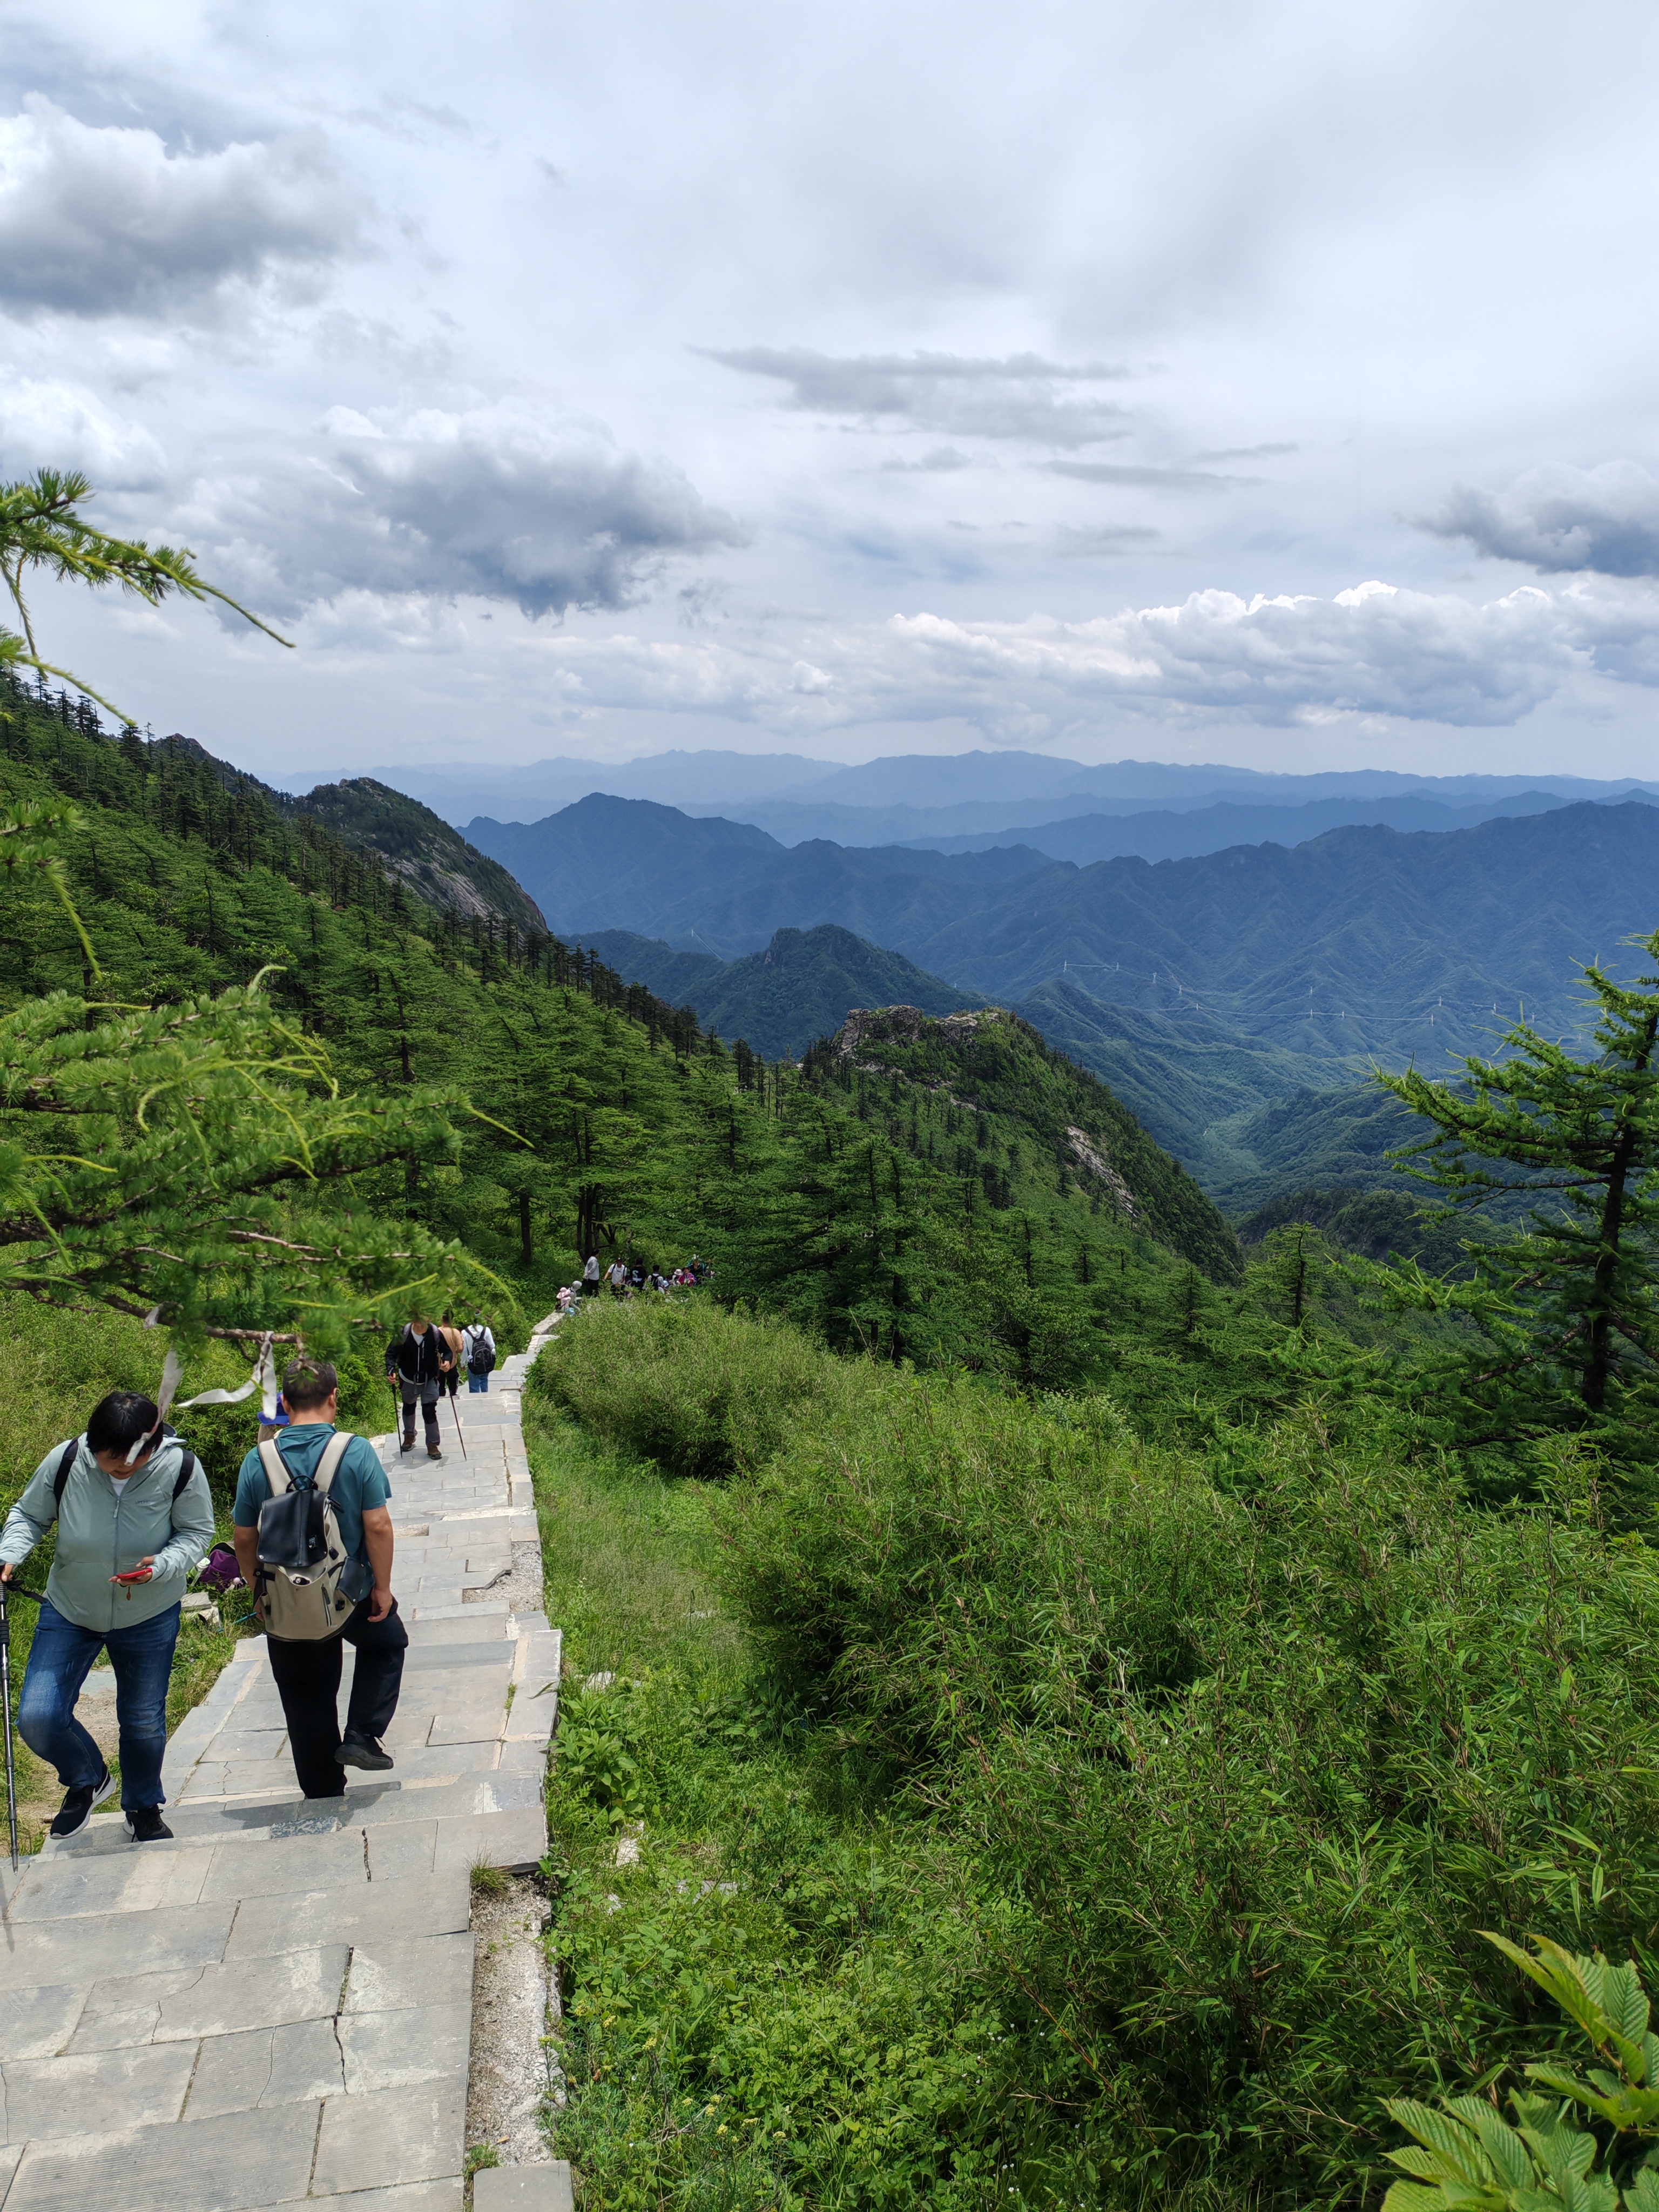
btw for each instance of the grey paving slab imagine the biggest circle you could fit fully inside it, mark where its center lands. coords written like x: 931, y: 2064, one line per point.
x: 523, y: 2188
x: 123, y: 2010
x: 407, y: 1847
x: 58, y: 1888
x: 404, y: 2049
x: 255, y: 2159
x: 80, y: 1950
x: 515, y: 1841
x: 292, y: 1986
x: 388, y: 2136
x: 48, y: 2097
x: 380, y: 1911
x: 288, y: 1863
x: 445, y: 2195
x: 35, y: 2023
x: 259, y: 2067
x: 393, y: 1976
x: 470, y: 1723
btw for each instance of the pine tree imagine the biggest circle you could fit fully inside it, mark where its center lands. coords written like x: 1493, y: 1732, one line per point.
x: 1558, y: 1328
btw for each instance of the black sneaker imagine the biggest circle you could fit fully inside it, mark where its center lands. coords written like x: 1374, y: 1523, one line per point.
x: 76, y: 1808
x: 146, y: 1826
x: 364, y: 1751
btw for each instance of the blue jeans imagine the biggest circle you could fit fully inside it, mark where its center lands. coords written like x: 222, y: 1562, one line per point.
x: 60, y: 1660
x: 476, y: 1383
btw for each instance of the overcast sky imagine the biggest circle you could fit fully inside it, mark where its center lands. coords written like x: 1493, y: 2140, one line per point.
x: 1262, y: 383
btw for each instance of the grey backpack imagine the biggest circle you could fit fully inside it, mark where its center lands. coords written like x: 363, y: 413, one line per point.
x: 308, y: 1580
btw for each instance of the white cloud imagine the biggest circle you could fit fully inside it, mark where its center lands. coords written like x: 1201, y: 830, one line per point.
x: 1022, y: 396
x: 46, y: 422
x: 1375, y: 650
x: 103, y: 220
x: 506, y: 502
x: 1604, y: 519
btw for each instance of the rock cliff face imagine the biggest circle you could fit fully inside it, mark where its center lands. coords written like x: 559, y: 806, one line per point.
x: 995, y: 1067
x: 413, y: 843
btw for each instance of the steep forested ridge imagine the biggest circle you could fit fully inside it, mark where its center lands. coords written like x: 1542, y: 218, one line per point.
x: 438, y: 862
x: 801, y: 987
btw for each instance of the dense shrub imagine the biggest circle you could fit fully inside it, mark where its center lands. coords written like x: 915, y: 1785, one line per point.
x: 1238, y: 1781
x: 701, y: 1391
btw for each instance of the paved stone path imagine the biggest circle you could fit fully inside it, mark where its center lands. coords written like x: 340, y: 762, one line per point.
x: 276, y: 2007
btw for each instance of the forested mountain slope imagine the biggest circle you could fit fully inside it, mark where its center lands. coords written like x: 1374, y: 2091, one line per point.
x: 1361, y: 941
x: 608, y: 1119
x: 435, y: 859
x: 803, y: 984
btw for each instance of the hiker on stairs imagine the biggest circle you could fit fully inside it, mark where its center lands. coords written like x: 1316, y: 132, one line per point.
x: 134, y: 1516
x: 418, y: 1361
x: 305, y: 1665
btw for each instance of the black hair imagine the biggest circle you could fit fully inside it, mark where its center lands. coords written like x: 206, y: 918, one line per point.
x: 309, y: 1382
x: 119, y: 1420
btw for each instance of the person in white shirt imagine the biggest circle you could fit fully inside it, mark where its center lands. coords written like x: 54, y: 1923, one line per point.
x: 478, y: 1352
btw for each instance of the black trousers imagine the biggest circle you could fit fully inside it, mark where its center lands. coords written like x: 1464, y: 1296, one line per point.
x: 308, y: 1679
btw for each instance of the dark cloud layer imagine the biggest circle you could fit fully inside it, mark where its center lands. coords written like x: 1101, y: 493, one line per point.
x: 1604, y: 519
x: 503, y: 502
x: 100, y: 221
x: 1021, y: 396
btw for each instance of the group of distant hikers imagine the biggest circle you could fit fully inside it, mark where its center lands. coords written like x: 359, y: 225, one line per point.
x: 312, y: 1537
x: 629, y: 1278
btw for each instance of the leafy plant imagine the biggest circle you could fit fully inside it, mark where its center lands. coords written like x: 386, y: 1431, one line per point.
x: 1468, y: 2158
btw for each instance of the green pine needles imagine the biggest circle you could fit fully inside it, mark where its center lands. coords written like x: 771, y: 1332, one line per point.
x: 1557, y: 1329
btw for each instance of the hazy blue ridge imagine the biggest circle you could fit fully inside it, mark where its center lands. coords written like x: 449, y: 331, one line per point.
x: 1361, y: 941
x: 803, y: 986
x: 918, y: 794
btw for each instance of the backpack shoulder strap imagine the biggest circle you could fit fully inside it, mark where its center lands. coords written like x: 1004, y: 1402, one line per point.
x: 185, y: 1475
x: 275, y: 1474
x: 61, y: 1475
x: 328, y: 1466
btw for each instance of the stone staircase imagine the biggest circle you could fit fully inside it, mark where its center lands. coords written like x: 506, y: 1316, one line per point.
x: 276, y: 2007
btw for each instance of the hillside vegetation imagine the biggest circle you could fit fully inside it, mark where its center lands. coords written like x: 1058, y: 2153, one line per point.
x: 1071, y: 1820
x: 801, y: 987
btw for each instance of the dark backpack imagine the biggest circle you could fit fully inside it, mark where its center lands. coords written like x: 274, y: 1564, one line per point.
x: 66, y: 1461
x: 480, y: 1357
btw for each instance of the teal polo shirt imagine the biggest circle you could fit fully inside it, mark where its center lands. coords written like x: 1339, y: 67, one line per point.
x: 360, y: 1481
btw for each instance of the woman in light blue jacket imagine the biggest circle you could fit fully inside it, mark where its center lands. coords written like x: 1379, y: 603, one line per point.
x: 134, y: 1516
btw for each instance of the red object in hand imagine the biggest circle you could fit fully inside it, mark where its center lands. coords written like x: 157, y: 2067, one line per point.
x: 137, y: 1575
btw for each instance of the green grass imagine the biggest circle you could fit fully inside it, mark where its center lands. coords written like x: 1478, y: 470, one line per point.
x: 781, y: 1998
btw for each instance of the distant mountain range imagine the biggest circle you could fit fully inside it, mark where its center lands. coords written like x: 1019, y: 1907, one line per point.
x: 926, y: 798
x: 1361, y: 941
x: 1235, y: 1001
x: 801, y: 988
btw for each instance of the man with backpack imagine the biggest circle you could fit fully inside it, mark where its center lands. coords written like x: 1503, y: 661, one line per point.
x: 479, y: 1347
x: 418, y: 1360
x: 126, y: 1497
x: 314, y: 1541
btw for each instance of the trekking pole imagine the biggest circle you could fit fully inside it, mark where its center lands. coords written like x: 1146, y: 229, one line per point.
x: 461, y: 1433
x: 13, y: 1589
x: 5, y: 1695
